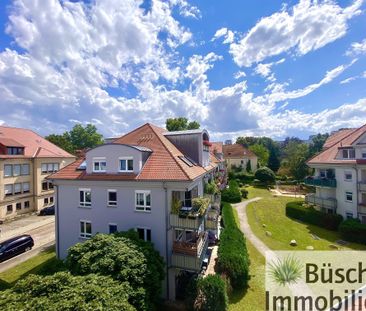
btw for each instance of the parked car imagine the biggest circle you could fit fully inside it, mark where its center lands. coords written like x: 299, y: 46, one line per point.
x: 50, y: 210
x: 15, y: 246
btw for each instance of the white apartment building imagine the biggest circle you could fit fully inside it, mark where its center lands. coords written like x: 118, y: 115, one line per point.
x: 340, y: 174
x: 145, y: 180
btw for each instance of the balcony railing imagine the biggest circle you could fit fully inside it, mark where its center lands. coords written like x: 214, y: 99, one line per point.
x: 185, y: 221
x: 190, y: 254
x: 362, y: 186
x: 321, y: 202
x: 320, y: 182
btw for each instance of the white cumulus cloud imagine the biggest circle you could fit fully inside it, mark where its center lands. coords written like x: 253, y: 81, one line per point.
x: 308, y: 26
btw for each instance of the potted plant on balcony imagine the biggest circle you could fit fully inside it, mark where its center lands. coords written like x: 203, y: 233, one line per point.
x: 200, y: 205
x: 176, y: 206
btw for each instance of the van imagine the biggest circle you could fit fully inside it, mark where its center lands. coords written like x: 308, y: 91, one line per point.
x: 15, y: 246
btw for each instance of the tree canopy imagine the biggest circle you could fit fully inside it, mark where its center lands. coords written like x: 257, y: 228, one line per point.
x: 317, y: 143
x: 265, y: 174
x: 80, y: 137
x: 123, y: 258
x: 270, y: 157
x: 62, y: 291
x: 296, y: 155
x: 261, y: 152
x: 181, y: 124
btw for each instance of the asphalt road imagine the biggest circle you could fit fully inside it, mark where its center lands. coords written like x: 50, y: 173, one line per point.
x: 43, y: 236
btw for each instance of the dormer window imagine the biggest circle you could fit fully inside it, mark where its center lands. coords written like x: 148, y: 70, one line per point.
x: 126, y: 164
x: 99, y: 165
x: 15, y: 150
x: 348, y: 153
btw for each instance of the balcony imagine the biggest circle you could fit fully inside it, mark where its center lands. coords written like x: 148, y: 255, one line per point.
x: 328, y: 203
x: 186, y: 220
x: 190, y: 254
x: 362, y: 186
x: 361, y: 208
x: 212, y: 218
x: 189, y: 217
x: 320, y: 182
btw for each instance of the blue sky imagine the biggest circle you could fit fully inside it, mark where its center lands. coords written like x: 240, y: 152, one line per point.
x: 259, y: 67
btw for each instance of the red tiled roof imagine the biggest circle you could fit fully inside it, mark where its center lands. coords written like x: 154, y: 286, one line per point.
x: 163, y: 163
x: 336, y: 137
x: 237, y: 151
x: 8, y: 142
x: 342, y: 139
x: 35, y: 145
x: 216, y: 147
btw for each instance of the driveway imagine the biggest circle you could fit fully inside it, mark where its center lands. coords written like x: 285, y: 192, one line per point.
x: 42, y: 230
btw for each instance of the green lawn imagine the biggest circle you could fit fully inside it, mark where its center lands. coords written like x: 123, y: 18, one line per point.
x: 270, y: 211
x: 43, y: 263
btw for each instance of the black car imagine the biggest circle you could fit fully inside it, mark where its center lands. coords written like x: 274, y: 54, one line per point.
x: 47, y: 211
x: 15, y: 246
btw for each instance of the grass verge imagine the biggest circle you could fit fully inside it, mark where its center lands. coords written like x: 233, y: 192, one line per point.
x: 44, y: 263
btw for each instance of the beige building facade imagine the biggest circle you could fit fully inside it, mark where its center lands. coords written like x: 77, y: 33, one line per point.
x: 26, y: 159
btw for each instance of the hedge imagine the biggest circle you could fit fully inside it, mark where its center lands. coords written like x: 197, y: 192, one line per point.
x: 212, y: 294
x: 233, y: 258
x: 231, y: 194
x: 352, y: 230
x: 308, y: 215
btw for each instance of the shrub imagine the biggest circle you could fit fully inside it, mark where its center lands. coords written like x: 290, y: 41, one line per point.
x: 233, y: 259
x: 265, y: 175
x: 352, y: 230
x: 309, y: 215
x: 123, y: 258
x: 62, y: 291
x: 211, y: 188
x: 244, y: 193
x: 200, y: 204
x: 211, y: 294
x: 232, y: 194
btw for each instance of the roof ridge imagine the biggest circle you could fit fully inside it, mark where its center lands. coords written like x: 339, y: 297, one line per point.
x: 338, y: 142
x: 179, y: 164
x: 360, y: 134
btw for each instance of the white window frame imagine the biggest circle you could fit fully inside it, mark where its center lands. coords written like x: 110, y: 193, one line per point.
x: 10, y: 186
x: 84, y: 203
x: 145, y: 207
x: 345, y: 176
x: 24, y: 189
x: 109, y: 227
x: 82, y: 233
x: 112, y: 203
x: 99, y: 160
x: 44, y: 168
x: 19, y: 186
x: 11, y: 170
x: 145, y: 233
x: 125, y: 159
x: 347, y: 193
x: 22, y: 170
x: 348, y: 153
